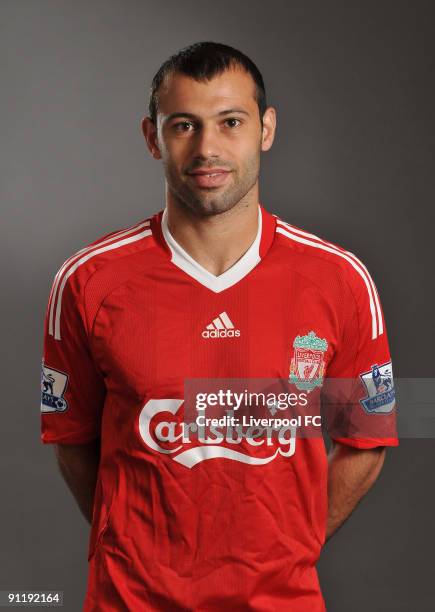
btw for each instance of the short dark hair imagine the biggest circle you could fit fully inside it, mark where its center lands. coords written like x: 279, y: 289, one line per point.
x: 203, y: 61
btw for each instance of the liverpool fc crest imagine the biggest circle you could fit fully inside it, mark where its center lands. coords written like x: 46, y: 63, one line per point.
x: 308, y: 363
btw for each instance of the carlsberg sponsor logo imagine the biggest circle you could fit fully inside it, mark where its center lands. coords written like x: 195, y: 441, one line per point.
x: 194, y: 443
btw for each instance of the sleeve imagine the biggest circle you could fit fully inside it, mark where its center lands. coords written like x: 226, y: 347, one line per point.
x: 360, y: 375
x: 72, y: 388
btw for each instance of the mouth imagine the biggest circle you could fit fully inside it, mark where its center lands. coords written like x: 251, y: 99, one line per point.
x: 210, y: 177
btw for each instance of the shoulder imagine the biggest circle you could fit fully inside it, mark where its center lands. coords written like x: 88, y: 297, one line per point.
x: 110, y: 253
x: 107, y: 249
x: 333, y: 265
x: 318, y: 253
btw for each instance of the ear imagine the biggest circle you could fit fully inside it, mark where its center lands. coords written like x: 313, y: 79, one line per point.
x: 150, y: 133
x: 269, y: 127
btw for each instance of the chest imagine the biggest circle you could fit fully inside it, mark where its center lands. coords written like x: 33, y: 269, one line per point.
x: 153, y: 332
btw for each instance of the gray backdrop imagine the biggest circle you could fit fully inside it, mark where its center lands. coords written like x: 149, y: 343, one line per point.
x: 353, y: 84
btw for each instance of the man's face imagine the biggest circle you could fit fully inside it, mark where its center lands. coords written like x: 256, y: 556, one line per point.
x: 209, y: 137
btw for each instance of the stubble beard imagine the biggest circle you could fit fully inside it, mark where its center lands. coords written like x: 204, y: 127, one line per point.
x: 208, y: 202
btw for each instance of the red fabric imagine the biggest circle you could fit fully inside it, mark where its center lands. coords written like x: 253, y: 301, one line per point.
x: 223, y: 533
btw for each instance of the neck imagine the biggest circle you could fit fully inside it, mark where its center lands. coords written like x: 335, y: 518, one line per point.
x: 215, y: 242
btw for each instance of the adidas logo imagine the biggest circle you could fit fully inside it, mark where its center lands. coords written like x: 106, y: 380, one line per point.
x: 221, y: 327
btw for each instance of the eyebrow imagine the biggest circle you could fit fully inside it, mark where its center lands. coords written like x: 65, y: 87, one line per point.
x: 192, y: 116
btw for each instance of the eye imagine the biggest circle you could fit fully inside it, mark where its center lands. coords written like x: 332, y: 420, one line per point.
x: 233, y: 122
x: 182, y: 126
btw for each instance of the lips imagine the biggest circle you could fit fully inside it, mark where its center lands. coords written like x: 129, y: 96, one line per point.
x: 210, y: 177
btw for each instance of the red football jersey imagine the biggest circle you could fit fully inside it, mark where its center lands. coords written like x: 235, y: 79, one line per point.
x: 180, y: 525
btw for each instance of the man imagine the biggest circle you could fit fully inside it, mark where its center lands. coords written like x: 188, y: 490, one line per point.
x: 213, y: 286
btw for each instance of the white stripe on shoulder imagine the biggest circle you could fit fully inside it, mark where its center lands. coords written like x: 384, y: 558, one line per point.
x: 303, y: 238
x: 87, y: 249
x: 353, y: 256
x: 83, y: 256
x: 75, y: 256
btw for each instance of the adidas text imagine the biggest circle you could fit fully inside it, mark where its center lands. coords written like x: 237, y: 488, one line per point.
x: 221, y: 333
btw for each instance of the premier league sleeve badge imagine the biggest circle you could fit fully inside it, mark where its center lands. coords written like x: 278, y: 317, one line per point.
x: 380, y: 389
x: 53, y: 386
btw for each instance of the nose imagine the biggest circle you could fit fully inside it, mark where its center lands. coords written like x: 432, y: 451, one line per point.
x: 207, y: 143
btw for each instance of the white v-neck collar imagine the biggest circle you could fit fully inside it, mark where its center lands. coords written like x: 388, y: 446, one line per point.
x: 230, y: 277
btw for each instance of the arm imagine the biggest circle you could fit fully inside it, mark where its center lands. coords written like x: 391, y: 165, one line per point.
x: 78, y: 464
x: 352, y: 472
x: 72, y: 406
